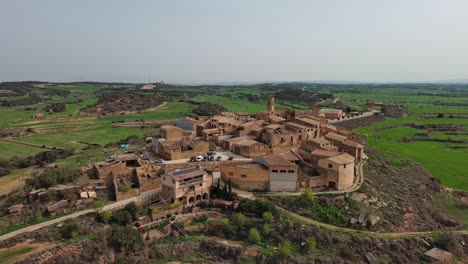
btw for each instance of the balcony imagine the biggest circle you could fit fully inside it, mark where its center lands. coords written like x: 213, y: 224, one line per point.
x: 194, y: 181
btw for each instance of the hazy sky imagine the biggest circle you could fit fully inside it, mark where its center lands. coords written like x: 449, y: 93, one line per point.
x: 201, y: 41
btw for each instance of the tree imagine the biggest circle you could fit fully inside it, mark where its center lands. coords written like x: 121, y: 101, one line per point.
x: 268, y: 217
x: 132, y: 208
x: 266, y: 230
x: 285, y: 249
x: 254, y: 236
x: 126, y: 238
x: 122, y: 217
x: 308, y: 196
x: 239, y: 220
x: 348, y: 109
x: 311, y: 244
x: 106, y: 216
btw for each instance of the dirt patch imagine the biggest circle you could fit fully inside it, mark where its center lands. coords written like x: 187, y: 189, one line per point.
x: 401, y: 196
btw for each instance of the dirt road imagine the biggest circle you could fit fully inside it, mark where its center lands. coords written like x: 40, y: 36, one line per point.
x: 113, y: 206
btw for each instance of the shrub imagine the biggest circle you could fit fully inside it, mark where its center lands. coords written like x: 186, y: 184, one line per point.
x: 266, y: 230
x: 70, y: 230
x: 126, y: 239
x: 106, y: 216
x: 254, y: 236
x: 285, y: 249
x: 311, y: 244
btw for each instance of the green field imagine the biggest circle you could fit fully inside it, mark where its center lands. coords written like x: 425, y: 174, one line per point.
x: 10, y: 149
x: 10, y: 255
x: 448, y: 165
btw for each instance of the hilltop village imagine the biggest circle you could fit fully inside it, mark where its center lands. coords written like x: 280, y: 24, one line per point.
x: 270, y: 151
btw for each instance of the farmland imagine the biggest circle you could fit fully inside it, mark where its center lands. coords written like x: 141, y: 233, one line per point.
x: 442, y: 159
x: 76, y: 129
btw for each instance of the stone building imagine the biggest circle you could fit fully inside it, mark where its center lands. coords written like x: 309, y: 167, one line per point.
x: 187, y: 123
x: 332, y: 113
x: 246, y: 176
x: 394, y: 110
x: 186, y: 186
x: 246, y: 147
x: 339, y: 171
x: 282, y: 173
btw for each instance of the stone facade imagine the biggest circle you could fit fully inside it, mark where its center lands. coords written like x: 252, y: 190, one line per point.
x: 246, y: 176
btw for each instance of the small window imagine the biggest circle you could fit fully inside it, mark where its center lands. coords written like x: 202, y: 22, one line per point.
x: 330, y: 165
x: 180, y: 199
x: 274, y: 171
x: 291, y: 171
x: 243, y: 176
x: 282, y: 171
x: 344, y: 166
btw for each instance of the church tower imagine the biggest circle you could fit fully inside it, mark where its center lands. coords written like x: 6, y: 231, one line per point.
x: 315, y: 110
x: 271, y: 105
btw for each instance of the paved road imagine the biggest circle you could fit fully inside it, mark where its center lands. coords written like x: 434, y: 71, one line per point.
x: 117, y: 205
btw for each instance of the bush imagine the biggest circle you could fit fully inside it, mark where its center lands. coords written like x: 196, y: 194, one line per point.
x: 106, y: 216
x: 311, y: 244
x: 266, y: 230
x: 285, y: 249
x: 70, y: 230
x: 126, y: 239
x: 254, y: 236
x: 122, y: 217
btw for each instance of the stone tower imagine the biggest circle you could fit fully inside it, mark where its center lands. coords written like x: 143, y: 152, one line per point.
x: 271, y: 105
x: 315, y: 110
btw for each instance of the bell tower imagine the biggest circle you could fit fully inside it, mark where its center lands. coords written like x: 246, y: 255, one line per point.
x: 315, y: 110
x: 271, y: 105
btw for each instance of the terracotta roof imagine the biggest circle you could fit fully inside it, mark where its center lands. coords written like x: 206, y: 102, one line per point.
x: 276, y: 118
x: 320, y: 141
x: 331, y: 111
x: 291, y: 156
x: 335, y: 136
x: 277, y: 160
x: 344, y: 158
x: 324, y: 152
x: 247, y: 142
x: 309, y: 119
x: 352, y: 143
x: 125, y: 157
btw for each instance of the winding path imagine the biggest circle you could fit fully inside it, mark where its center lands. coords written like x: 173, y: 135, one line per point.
x: 112, y: 206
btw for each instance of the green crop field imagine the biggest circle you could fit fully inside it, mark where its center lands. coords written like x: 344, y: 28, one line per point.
x: 445, y: 163
x: 10, y: 149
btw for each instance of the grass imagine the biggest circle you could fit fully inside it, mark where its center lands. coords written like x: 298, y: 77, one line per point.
x: 231, y: 104
x: 95, y: 134
x: 446, y: 164
x: 10, y: 149
x: 13, y: 228
x: 170, y: 110
x: 9, y: 255
x: 448, y: 203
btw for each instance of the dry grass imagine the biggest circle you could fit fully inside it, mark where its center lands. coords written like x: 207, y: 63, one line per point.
x: 14, y: 180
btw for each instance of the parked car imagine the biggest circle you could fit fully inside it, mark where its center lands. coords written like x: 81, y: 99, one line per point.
x: 231, y: 158
x: 159, y: 161
x: 192, y: 159
x: 211, y: 158
x: 199, y: 158
x: 218, y: 158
